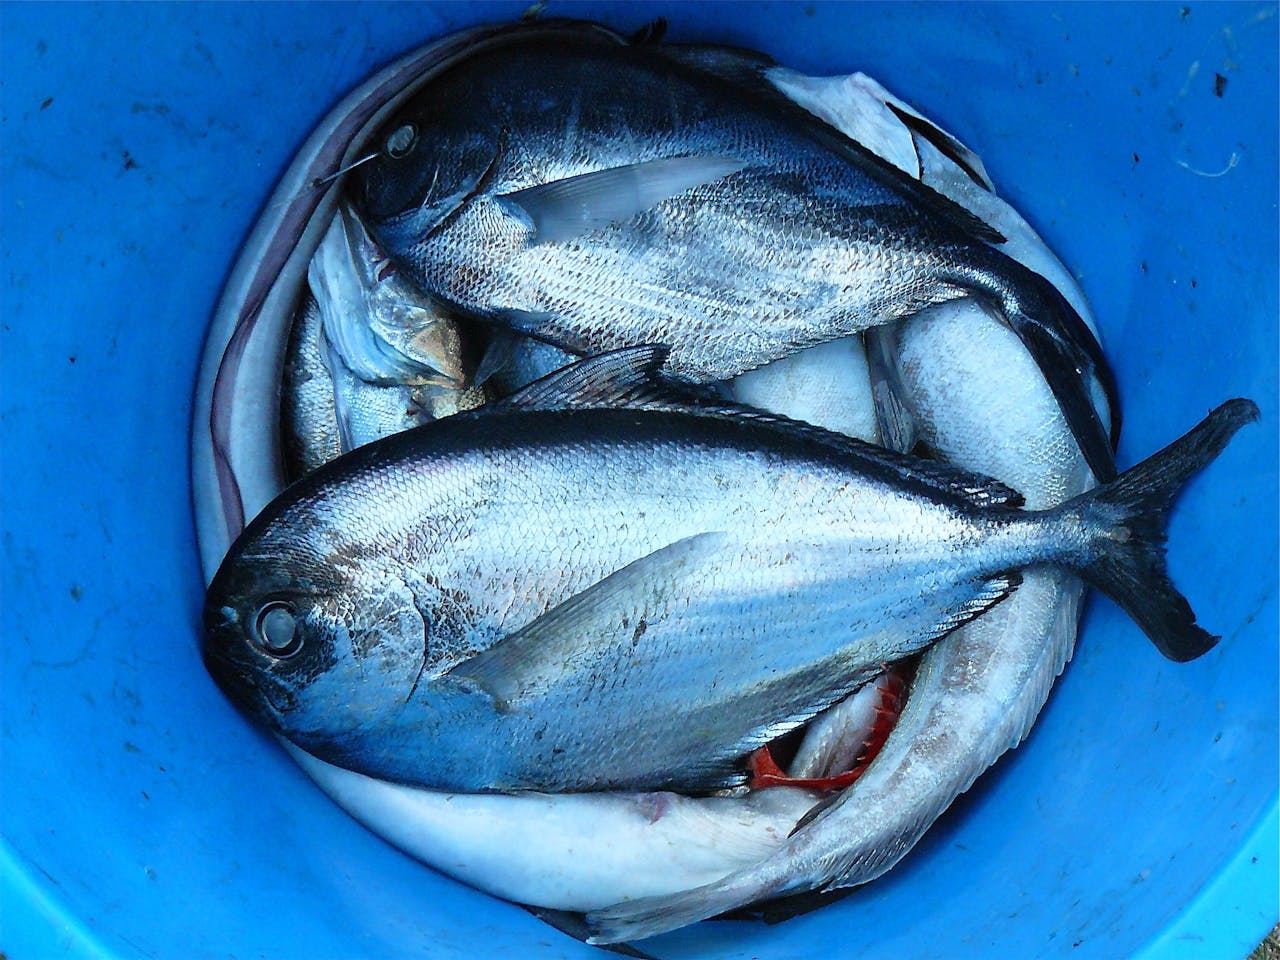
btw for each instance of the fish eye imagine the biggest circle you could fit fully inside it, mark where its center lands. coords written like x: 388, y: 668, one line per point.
x: 275, y: 629
x: 402, y: 141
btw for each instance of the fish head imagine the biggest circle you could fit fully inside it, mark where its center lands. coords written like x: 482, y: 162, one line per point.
x: 430, y: 158
x: 310, y: 643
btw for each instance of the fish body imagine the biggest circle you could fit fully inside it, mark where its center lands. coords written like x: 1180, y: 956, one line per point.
x: 575, y: 851
x: 827, y: 385
x: 369, y: 354
x: 308, y: 416
x: 597, y: 195
x: 560, y: 597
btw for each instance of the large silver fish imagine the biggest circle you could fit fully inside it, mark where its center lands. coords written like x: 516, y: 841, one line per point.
x: 597, y: 587
x: 596, y: 194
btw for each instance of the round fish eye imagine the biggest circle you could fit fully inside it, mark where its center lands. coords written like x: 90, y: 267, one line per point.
x: 402, y: 141
x: 276, y: 630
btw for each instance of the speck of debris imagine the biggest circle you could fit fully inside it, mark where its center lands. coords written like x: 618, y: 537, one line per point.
x: 1193, y: 283
x: 1219, y: 85
x: 1184, y: 12
x: 46, y: 103
x: 1143, y: 265
x: 129, y: 162
x: 71, y: 359
x: 1135, y: 158
x: 77, y: 592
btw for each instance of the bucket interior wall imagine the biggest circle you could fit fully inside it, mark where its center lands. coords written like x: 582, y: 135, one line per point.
x: 142, y: 816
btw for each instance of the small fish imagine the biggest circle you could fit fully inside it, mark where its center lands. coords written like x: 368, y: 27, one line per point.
x: 599, y: 586
x: 308, y: 417
x: 369, y: 355
x: 595, y: 194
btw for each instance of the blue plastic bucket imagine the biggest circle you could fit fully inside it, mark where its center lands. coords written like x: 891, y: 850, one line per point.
x: 142, y: 816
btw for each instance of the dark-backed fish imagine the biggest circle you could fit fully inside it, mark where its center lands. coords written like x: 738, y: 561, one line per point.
x: 597, y: 194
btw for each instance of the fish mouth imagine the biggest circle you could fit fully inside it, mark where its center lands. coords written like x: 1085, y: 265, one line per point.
x: 238, y: 680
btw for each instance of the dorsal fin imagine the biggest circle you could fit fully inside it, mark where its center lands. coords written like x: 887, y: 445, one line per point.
x: 745, y: 70
x: 631, y: 378
x: 621, y: 378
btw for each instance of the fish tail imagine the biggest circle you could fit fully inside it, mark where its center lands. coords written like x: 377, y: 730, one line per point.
x: 650, y: 916
x: 1128, y: 557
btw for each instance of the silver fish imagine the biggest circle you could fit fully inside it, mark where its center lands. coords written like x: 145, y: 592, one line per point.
x: 528, y: 598
x: 308, y: 415
x: 827, y: 385
x: 369, y: 354
x: 596, y: 194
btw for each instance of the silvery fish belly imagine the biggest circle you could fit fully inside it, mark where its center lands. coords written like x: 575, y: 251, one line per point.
x: 596, y: 195
x: 596, y: 586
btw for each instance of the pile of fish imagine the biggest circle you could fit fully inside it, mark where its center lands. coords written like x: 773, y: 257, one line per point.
x: 688, y: 460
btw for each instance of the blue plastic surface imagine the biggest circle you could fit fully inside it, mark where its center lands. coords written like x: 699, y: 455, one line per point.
x: 142, y: 817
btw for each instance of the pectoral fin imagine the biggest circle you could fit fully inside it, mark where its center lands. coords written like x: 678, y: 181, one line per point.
x: 564, y: 209
x: 894, y: 419
x: 571, y: 636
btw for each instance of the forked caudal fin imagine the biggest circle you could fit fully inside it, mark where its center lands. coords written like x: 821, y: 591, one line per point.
x: 1133, y: 511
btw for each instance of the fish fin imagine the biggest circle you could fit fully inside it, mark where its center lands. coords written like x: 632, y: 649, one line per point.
x: 782, y: 909
x: 629, y: 377
x: 650, y: 34
x: 564, y: 209
x: 735, y: 64
x: 987, y: 594
x: 497, y: 355
x: 571, y: 924
x: 632, y: 378
x: 529, y: 661
x: 895, y: 421
x: 343, y: 380
x: 947, y: 145
x: 528, y: 323
x: 1133, y: 514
